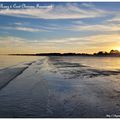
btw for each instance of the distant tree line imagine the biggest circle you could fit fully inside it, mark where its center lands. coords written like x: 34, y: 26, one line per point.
x: 62, y: 54
x: 114, y: 53
x: 100, y: 53
x: 111, y: 53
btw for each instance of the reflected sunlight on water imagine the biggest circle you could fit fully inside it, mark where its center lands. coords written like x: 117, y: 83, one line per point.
x: 6, y: 60
x: 110, y: 63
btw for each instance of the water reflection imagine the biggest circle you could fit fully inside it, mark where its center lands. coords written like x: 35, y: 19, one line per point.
x: 6, y: 60
x: 109, y: 63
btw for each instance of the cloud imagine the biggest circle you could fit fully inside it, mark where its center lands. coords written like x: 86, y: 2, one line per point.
x: 89, y: 5
x: 100, y: 42
x: 105, y: 38
x: 115, y: 19
x: 71, y: 44
x: 18, y: 23
x: 10, y: 41
x: 104, y: 42
x: 98, y: 27
x: 27, y: 29
x: 21, y: 28
x: 68, y: 11
x: 70, y: 40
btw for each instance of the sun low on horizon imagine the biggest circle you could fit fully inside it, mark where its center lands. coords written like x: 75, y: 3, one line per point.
x: 118, y: 48
x: 41, y: 27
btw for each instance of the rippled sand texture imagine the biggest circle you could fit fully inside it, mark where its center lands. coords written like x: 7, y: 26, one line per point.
x: 55, y: 87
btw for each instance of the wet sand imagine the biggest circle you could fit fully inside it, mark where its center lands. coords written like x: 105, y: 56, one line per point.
x: 52, y: 87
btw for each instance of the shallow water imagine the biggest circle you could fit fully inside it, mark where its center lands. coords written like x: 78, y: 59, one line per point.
x: 109, y: 63
x: 61, y: 87
x: 6, y: 61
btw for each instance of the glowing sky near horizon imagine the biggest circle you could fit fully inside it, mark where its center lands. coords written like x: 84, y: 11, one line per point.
x: 60, y: 27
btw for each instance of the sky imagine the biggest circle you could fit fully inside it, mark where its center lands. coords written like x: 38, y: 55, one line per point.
x: 41, y: 27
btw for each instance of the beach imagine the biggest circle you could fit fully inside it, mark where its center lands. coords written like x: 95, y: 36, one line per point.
x: 52, y: 87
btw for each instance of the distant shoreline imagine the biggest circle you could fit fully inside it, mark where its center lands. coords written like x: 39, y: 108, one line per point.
x: 112, y: 53
x: 83, y: 55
